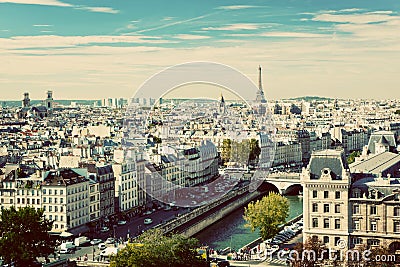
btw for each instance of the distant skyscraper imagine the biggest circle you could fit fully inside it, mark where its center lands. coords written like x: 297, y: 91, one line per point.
x: 260, y: 93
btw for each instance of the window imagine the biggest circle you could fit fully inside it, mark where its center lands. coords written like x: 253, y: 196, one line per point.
x: 337, y: 208
x: 326, y: 223
x: 373, y: 210
x: 326, y: 239
x: 315, y: 207
x: 396, y: 227
x: 314, y: 194
x: 356, y: 225
x: 44, y: 191
x: 337, y: 223
x: 315, y: 222
x: 337, y: 239
x: 373, y: 226
x: 396, y: 211
x: 373, y: 242
x: 326, y: 207
x: 356, y: 209
x: 356, y: 240
x: 50, y: 200
x: 337, y: 195
x: 356, y: 193
x: 326, y: 194
x: 61, y: 192
x: 49, y: 191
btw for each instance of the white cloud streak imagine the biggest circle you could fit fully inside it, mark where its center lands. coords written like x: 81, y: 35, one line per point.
x: 353, y: 18
x: 234, y: 27
x: 61, y: 4
x: 38, y: 2
x: 236, y: 7
x: 191, y: 37
x: 175, y: 23
x: 99, y: 9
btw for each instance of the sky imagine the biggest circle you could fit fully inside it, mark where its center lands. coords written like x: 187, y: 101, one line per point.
x: 95, y: 49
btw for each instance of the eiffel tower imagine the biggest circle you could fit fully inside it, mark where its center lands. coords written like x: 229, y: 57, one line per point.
x: 260, y: 93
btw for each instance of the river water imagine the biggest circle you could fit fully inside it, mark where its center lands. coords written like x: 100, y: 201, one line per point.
x: 231, y: 232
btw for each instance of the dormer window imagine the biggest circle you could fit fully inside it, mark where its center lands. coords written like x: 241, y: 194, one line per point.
x: 356, y: 193
x: 372, y: 194
x: 326, y: 171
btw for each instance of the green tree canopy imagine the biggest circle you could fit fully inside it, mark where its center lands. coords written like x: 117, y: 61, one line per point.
x: 156, y: 249
x: 24, y: 236
x: 267, y: 214
x: 352, y: 157
x: 240, y: 152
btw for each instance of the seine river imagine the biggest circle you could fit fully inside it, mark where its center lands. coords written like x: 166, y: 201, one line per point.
x: 231, y: 232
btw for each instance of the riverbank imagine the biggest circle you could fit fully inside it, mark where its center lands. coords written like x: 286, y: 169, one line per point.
x: 231, y: 230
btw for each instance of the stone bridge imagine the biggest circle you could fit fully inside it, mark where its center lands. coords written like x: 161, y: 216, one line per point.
x: 284, y: 183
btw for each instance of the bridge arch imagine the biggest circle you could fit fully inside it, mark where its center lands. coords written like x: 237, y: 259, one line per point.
x: 293, y: 190
x: 268, y: 187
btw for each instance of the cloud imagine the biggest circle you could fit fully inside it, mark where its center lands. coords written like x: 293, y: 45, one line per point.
x: 354, y: 18
x: 168, y: 18
x: 62, y: 4
x: 42, y: 25
x: 281, y: 34
x: 235, y: 7
x: 175, y: 23
x: 99, y: 9
x: 191, y: 37
x: 55, y: 41
x: 38, y: 2
x: 234, y: 27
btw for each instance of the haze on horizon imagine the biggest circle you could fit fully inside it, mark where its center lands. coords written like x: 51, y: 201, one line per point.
x: 338, y: 49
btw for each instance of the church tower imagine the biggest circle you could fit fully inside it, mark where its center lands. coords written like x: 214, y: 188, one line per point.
x: 49, y: 100
x: 222, y: 107
x: 26, y: 102
x: 260, y: 93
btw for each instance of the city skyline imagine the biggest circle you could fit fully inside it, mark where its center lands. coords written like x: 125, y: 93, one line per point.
x: 337, y: 49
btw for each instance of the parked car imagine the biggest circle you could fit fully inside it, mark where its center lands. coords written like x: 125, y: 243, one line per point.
x: 65, y: 251
x: 110, y: 240
x: 104, y: 229
x: 95, y: 241
x: 148, y: 221
x: 121, y: 222
x: 102, y: 246
x: 148, y: 212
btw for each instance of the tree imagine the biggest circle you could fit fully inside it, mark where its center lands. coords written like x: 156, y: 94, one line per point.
x: 352, y: 157
x: 255, y: 149
x: 309, y: 254
x: 267, y: 214
x: 156, y: 249
x: 24, y: 236
x: 226, y: 150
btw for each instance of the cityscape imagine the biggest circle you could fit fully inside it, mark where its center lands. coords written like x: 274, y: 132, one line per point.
x: 199, y: 134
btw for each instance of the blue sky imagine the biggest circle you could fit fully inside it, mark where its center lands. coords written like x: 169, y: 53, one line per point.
x: 96, y: 49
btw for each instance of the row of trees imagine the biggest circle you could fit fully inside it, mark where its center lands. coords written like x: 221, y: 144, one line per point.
x: 24, y: 236
x: 242, y: 152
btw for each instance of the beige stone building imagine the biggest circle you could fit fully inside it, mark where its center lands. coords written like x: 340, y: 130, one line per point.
x: 361, y: 207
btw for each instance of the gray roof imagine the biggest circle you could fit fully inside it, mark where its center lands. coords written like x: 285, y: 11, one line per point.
x: 376, y: 164
x: 332, y: 159
x: 376, y: 137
